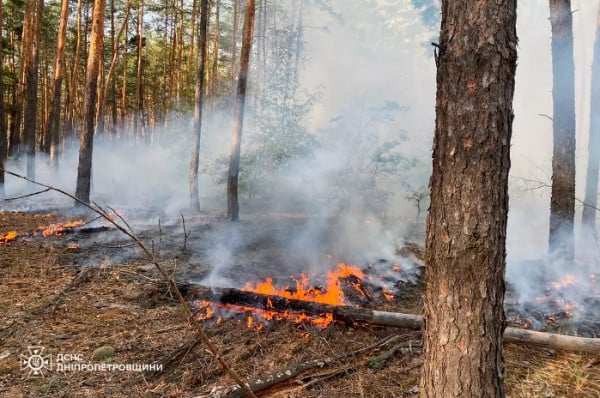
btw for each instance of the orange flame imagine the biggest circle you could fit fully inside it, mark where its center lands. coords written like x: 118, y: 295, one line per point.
x: 58, y: 229
x: 74, y: 246
x: 331, y: 294
x: 7, y: 237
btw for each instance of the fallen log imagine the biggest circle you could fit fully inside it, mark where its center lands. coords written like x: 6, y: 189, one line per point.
x: 357, y: 315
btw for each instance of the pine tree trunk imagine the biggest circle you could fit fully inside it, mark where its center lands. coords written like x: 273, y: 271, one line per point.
x: 466, y: 226
x: 31, y: 89
x: 562, y: 201
x: 233, y: 207
x: 138, y: 124
x: 72, y: 95
x: 199, y: 102
x: 59, y: 71
x: 124, y: 81
x: 215, y: 61
x: 234, y: 35
x: 110, y: 81
x: 588, y: 216
x: 84, y: 170
x: 3, y: 133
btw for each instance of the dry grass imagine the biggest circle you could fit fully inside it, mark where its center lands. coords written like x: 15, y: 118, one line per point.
x: 116, y: 307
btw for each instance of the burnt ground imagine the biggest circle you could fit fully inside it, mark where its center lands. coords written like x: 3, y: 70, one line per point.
x: 104, y: 294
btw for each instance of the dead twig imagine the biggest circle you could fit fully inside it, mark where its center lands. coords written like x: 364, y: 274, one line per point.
x: 185, y: 233
x: 27, y: 196
x: 290, y: 372
x: 184, y: 305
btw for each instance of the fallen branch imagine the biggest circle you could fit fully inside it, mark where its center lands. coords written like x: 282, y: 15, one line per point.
x: 290, y: 372
x: 151, y: 258
x: 351, y: 315
x: 27, y: 196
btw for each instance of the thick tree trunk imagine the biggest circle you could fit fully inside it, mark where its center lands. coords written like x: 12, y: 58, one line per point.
x: 588, y: 216
x: 233, y: 207
x: 3, y: 134
x: 59, y: 72
x: 562, y: 202
x: 31, y: 89
x: 199, y: 102
x: 466, y: 226
x: 84, y: 170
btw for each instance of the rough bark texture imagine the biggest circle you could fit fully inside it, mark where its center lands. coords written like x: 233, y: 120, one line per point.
x: 59, y: 72
x: 3, y: 133
x: 588, y: 216
x: 233, y: 207
x: 198, y: 104
x: 466, y: 226
x: 84, y: 170
x: 31, y: 88
x: 562, y: 201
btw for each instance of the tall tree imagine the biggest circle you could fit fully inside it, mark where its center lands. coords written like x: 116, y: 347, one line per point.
x: 198, y: 103
x: 562, y: 201
x: 233, y: 206
x: 59, y: 72
x: 31, y: 86
x: 3, y: 134
x: 466, y: 226
x: 214, y: 75
x: 84, y: 170
x: 588, y: 216
x: 138, y: 121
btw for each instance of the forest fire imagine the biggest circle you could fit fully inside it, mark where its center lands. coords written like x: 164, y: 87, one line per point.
x: 7, y: 237
x: 331, y: 292
x: 57, y: 229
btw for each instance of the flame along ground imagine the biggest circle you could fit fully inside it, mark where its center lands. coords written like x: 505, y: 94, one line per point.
x: 330, y: 292
x: 45, y: 231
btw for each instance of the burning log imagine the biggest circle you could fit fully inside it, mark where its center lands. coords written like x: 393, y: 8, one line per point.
x: 354, y: 315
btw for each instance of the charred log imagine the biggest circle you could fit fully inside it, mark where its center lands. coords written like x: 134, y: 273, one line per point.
x: 354, y: 315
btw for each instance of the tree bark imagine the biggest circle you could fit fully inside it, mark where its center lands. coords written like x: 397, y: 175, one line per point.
x: 214, y: 81
x: 233, y: 207
x: 466, y: 226
x: 72, y: 93
x: 59, y: 72
x: 588, y: 217
x: 31, y: 87
x: 138, y: 121
x: 562, y: 201
x: 3, y: 133
x: 84, y: 170
x: 109, y: 83
x: 234, y: 35
x: 198, y: 103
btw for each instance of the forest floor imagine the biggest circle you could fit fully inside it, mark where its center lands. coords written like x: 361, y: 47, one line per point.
x: 49, y: 299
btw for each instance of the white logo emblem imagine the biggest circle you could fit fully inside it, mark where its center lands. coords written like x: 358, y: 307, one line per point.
x: 35, y: 362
